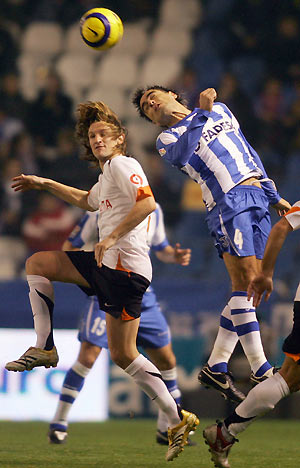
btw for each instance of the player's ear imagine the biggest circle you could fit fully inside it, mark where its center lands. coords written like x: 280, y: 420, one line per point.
x: 121, y: 139
x: 173, y: 94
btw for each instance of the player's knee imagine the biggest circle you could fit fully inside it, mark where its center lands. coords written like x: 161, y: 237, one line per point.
x: 88, y: 360
x: 119, y: 358
x: 166, y: 363
x: 34, y: 265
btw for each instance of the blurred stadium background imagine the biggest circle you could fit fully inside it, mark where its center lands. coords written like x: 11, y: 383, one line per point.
x: 249, y: 51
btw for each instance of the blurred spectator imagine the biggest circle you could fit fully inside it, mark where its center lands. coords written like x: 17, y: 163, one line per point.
x: 270, y: 109
x: 22, y: 148
x: 67, y: 167
x: 9, y: 128
x: 10, y: 201
x: 8, y: 49
x: 50, y: 111
x: 11, y: 98
x: 48, y: 225
x: 282, y: 49
x: 187, y: 85
x: 239, y: 103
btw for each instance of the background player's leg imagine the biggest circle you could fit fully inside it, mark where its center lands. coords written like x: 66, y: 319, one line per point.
x: 72, y: 385
x: 165, y: 361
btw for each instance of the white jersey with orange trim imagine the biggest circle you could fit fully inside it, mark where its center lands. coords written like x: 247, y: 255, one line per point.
x: 293, y: 216
x: 121, y: 184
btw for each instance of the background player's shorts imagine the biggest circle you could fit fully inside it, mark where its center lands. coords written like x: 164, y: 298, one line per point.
x: 92, y: 327
x: 153, y: 330
x: 241, y: 222
x: 119, y: 293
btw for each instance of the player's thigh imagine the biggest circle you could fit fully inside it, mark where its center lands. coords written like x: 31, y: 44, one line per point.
x: 121, y: 336
x: 56, y: 266
x: 241, y: 270
x: 163, y: 358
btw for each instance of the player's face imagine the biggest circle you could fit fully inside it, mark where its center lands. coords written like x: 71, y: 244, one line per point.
x: 103, y: 141
x: 159, y: 106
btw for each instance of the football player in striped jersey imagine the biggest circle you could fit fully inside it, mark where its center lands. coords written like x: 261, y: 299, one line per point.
x: 208, y: 145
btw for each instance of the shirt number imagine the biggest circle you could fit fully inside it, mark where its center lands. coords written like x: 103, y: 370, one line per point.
x: 238, y: 238
x: 99, y: 326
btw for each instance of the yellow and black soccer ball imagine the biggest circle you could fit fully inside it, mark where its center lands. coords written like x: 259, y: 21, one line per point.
x: 101, y: 28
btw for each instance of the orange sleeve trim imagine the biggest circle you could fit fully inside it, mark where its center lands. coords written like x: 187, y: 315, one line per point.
x: 144, y: 192
x: 125, y: 315
x: 148, y: 225
x: 120, y: 266
x: 296, y: 357
x: 292, y: 210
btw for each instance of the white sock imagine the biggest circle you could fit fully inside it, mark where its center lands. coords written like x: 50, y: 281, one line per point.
x: 41, y: 297
x: 170, y: 378
x: 244, y: 319
x: 225, y: 343
x: 148, y: 377
x: 72, y: 385
x: 261, y: 399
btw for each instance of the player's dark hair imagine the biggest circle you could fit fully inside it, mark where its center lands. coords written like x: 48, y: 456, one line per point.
x: 136, y: 99
x: 91, y: 112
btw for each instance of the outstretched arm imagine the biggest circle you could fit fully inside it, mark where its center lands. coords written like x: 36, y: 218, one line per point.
x: 174, y: 255
x: 264, y: 281
x: 72, y: 195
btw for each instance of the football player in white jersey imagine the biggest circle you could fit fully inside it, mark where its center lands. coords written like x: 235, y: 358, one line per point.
x: 208, y: 145
x: 118, y: 272
x: 267, y: 394
x: 153, y: 334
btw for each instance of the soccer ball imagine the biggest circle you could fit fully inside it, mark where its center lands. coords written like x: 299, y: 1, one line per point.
x: 101, y: 28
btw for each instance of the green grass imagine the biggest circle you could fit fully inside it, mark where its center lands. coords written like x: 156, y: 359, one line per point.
x: 121, y: 443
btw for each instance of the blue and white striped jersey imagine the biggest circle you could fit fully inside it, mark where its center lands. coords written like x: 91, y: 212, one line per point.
x: 211, y: 148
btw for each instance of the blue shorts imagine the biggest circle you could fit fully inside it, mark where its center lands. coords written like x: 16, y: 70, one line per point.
x: 153, y: 331
x: 241, y: 222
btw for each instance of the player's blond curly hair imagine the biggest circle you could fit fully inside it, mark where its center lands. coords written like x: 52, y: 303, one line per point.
x: 90, y: 112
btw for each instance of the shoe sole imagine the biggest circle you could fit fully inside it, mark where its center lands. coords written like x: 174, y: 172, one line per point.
x: 47, y: 366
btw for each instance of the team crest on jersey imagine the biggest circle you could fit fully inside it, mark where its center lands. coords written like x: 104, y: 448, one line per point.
x: 162, y: 151
x: 136, y: 179
x: 224, y: 241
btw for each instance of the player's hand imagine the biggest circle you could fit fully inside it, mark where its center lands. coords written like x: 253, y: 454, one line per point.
x: 101, y: 248
x: 207, y: 98
x: 282, y: 207
x: 182, y: 256
x: 258, y: 286
x: 22, y: 183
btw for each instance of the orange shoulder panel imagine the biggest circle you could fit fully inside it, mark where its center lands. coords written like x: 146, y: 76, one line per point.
x: 144, y: 192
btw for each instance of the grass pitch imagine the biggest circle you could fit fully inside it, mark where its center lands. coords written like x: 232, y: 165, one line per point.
x: 131, y: 442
